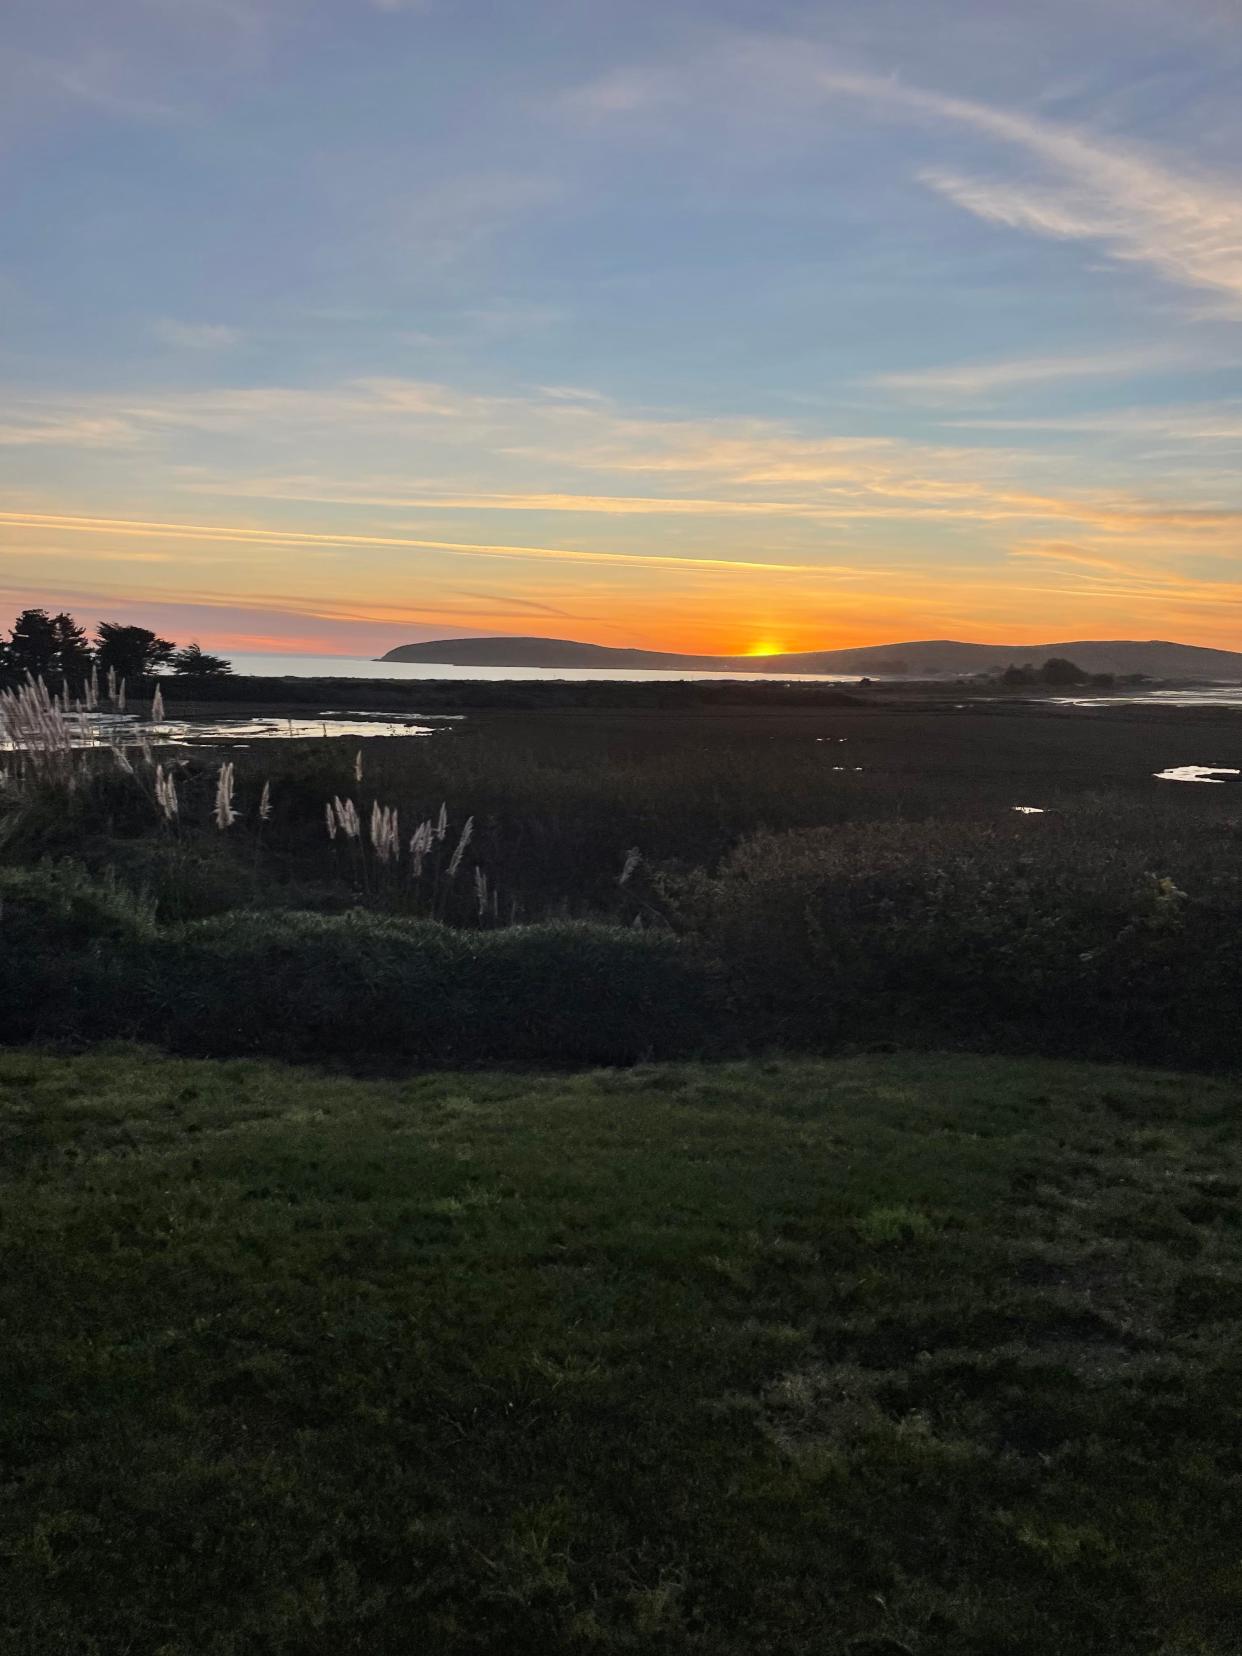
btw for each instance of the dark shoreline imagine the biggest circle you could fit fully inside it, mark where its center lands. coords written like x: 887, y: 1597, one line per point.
x: 255, y: 695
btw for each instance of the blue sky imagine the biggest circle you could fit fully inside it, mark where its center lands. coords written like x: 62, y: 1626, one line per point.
x: 336, y: 323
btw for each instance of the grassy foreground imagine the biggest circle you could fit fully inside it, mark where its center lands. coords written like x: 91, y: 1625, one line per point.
x: 880, y: 1354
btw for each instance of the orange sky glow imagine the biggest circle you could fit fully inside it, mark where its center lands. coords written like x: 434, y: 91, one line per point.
x: 298, y: 585
x: 778, y: 334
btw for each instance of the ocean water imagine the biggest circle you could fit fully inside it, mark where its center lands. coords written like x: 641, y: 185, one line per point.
x: 358, y: 667
x: 361, y: 668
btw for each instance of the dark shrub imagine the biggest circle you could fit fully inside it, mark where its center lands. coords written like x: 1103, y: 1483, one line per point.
x: 1057, y: 670
x: 364, y: 986
x: 194, y: 877
x: 68, y: 948
x: 1041, y: 936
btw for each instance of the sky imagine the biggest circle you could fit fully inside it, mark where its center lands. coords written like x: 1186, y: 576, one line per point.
x: 713, y: 325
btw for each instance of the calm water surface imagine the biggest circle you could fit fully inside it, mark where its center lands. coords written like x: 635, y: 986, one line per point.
x: 1203, y: 695
x: 1196, y: 773
x: 359, y: 667
x: 132, y: 730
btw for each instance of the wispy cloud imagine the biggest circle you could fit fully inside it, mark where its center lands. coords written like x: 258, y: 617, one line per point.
x: 445, y: 221
x: 1140, y: 207
x: 1187, y: 423
x: 1135, y: 202
x: 146, y: 62
x: 373, y: 400
x: 511, y: 318
x: 1060, y: 552
x: 1091, y: 577
x: 863, y: 498
x: 985, y: 379
x: 195, y: 336
x: 750, y: 476
x: 67, y: 431
x: 102, y: 78
x: 43, y: 554
x: 228, y: 619
x: 622, y: 92
x: 231, y: 533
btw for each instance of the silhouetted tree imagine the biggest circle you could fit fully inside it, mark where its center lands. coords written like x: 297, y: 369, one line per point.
x: 132, y: 652
x: 72, y: 664
x: 192, y: 661
x: 32, y: 644
x: 1015, y: 677
x: 50, y: 647
x: 1057, y: 670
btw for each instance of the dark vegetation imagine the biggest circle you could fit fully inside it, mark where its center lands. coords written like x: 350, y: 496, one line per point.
x: 638, y: 884
x: 56, y: 650
x: 851, y: 1358
x: 264, y: 695
x: 1058, y: 673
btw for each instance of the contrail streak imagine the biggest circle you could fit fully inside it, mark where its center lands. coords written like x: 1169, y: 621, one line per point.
x: 295, y: 537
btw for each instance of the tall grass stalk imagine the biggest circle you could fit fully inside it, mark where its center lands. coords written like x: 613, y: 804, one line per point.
x: 415, y: 875
x: 36, y: 728
x: 226, y: 813
x: 166, y: 794
x: 467, y: 835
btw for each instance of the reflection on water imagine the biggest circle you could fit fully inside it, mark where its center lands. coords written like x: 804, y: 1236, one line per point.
x: 1207, y: 695
x: 347, y: 667
x: 128, y: 730
x: 187, y: 733
x: 1196, y: 773
x: 355, y: 667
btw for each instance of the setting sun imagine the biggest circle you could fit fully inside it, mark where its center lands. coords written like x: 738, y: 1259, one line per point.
x: 766, y: 647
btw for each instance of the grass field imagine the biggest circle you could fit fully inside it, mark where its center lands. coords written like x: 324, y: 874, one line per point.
x: 883, y: 1354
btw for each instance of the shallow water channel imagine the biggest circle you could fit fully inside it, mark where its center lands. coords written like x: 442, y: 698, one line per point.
x: 131, y: 730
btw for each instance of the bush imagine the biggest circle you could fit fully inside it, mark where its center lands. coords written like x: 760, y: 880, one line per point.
x: 82, y: 959
x: 69, y: 943
x: 194, y: 877
x: 1101, y: 931
x: 372, y: 986
x: 1044, y: 939
x: 1057, y: 670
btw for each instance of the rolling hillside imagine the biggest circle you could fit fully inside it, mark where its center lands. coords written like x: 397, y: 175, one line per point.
x: 1156, y: 658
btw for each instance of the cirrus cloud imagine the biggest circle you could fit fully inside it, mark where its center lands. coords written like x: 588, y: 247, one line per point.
x: 1141, y: 208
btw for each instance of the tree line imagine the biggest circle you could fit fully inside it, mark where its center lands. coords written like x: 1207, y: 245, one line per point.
x: 1056, y: 671
x: 57, y: 650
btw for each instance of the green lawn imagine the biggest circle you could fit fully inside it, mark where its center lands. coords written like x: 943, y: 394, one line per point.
x: 889, y: 1353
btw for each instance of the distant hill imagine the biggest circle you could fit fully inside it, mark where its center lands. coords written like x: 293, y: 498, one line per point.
x: 550, y: 652
x: 922, y: 658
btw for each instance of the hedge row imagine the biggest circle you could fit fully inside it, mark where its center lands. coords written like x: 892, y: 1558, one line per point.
x: 806, y: 942
x: 84, y: 960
